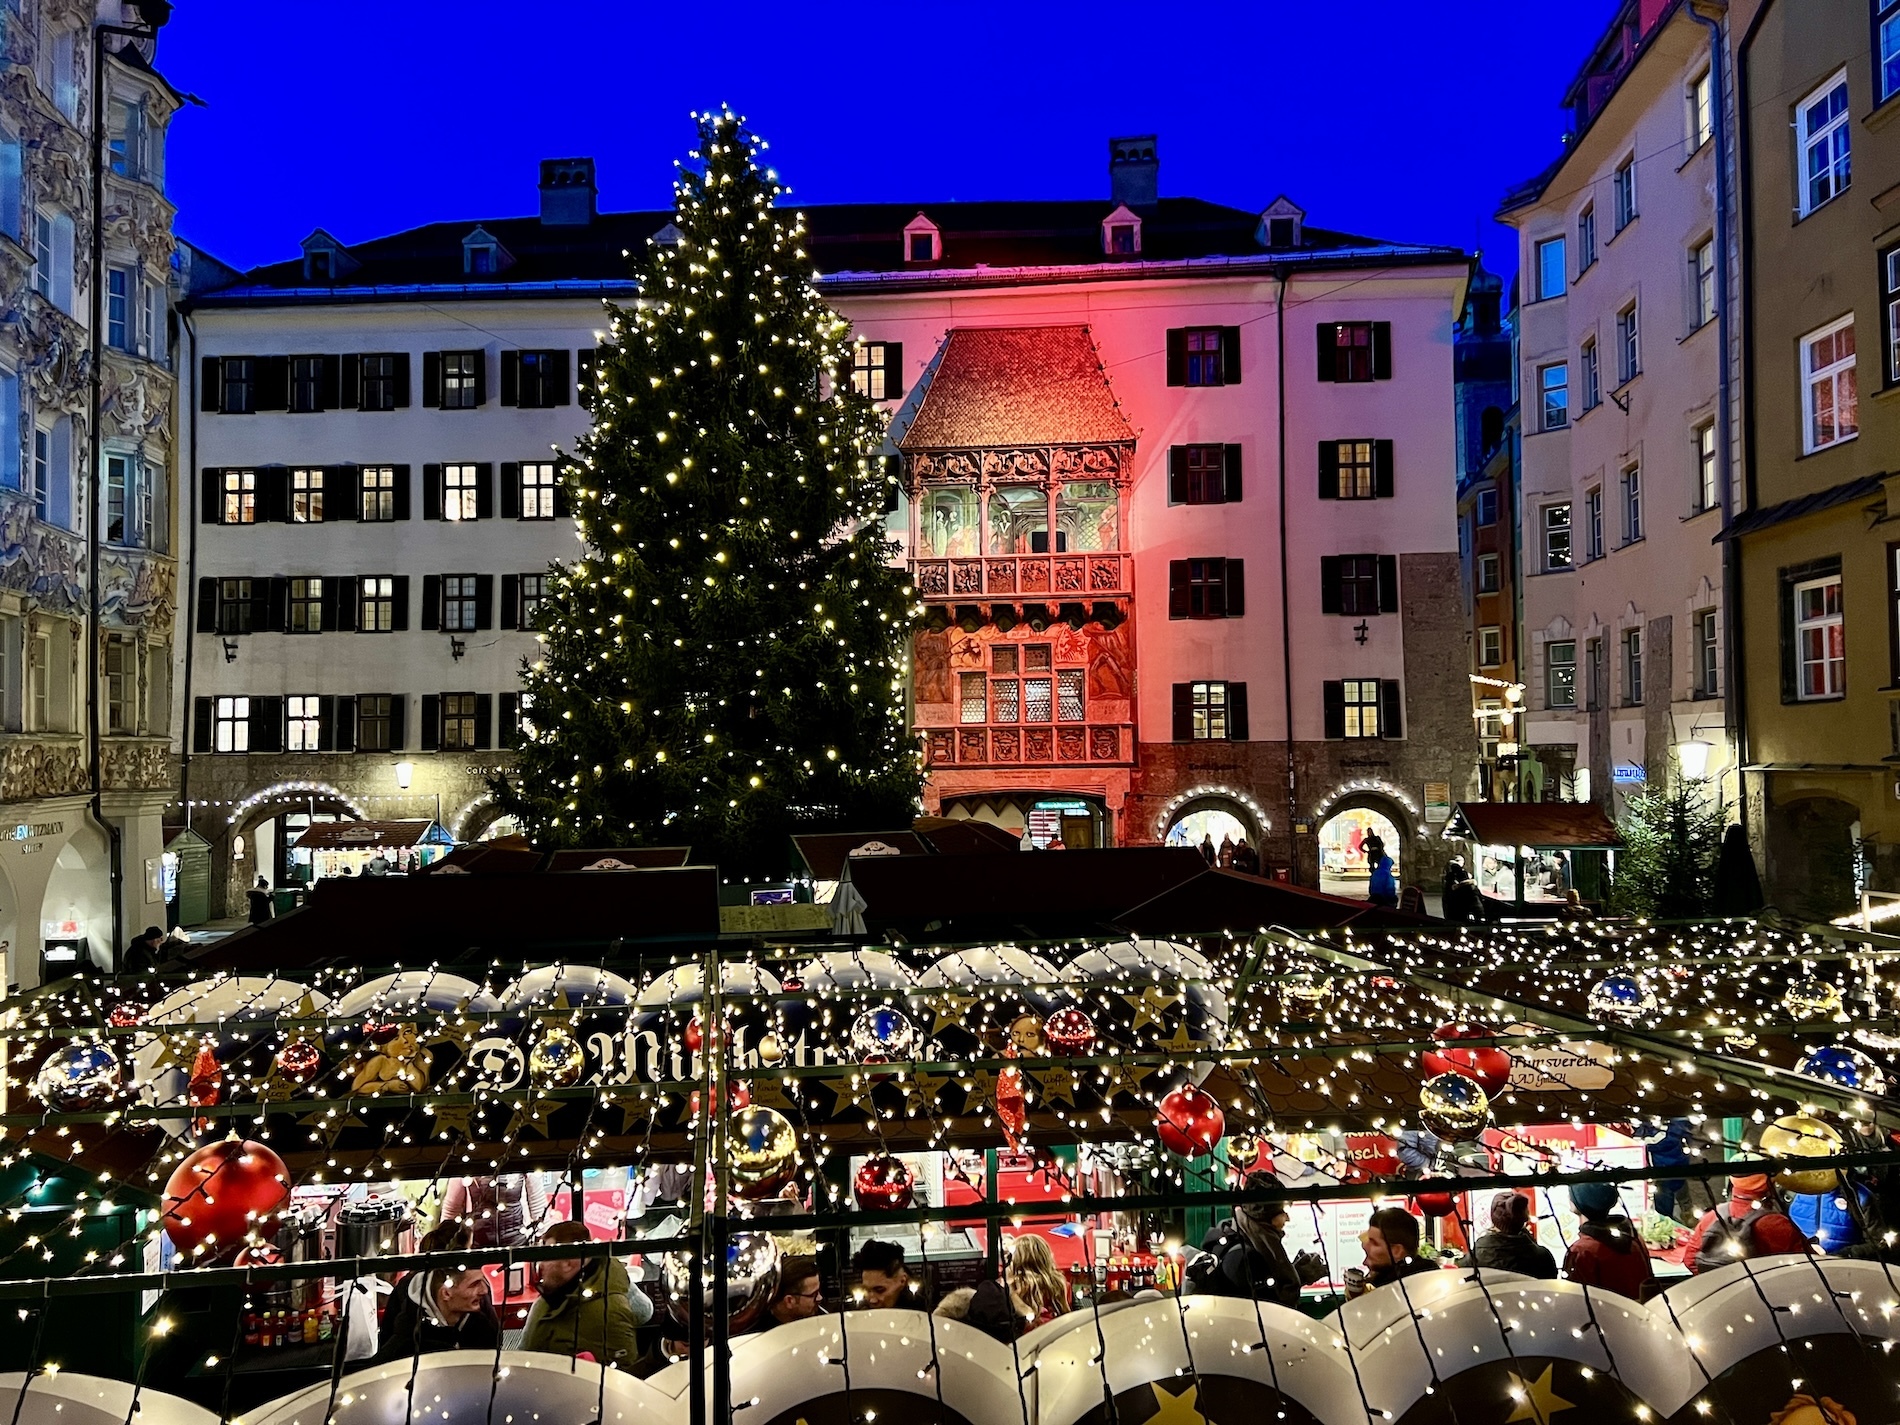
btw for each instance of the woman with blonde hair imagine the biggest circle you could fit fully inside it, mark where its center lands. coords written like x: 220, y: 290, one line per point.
x: 1035, y: 1282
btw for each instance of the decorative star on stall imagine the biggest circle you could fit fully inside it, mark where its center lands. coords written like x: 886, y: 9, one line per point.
x: 455, y: 1116
x: 1181, y: 1409
x: 949, y: 1010
x: 921, y: 1092
x: 977, y: 1085
x: 1056, y: 1083
x: 1180, y: 1042
x: 1150, y: 1004
x: 534, y: 1114
x: 175, y: 1050
x: 854, y: 1091
x: 1124, y: 1077
x: 1537, y: 1401
x: 770, y: 1093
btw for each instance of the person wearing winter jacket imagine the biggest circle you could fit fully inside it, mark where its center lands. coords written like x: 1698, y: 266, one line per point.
x: 443, y: 1310
x: 1607, y: 1254
x: 1255, y: 1263
x: 1509, y: 1246
x: 587, y: 1304
x: 1750, y: 1224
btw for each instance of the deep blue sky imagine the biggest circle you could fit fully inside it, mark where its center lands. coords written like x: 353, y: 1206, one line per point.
x: 1399, y: 120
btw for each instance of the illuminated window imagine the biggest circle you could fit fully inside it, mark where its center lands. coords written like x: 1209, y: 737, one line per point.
x: 376, y: 604
x: 1820, y: 639
x: 302, y: 724
x: 460, y: 489
x: 874, y: 370
x: 458, y: 722
x: 379, y: 493
x: 1208, y: 702
x: 306, y: 496
x: 1560, y: 674
x: 1832, y: 404
x: 537, y: 490
x: 459, y: 603
x: 306, y: 606
x: 231, y: 724
x: 1362, y: 707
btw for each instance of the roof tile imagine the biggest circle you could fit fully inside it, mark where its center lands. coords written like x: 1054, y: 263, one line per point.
x: 997, y: 386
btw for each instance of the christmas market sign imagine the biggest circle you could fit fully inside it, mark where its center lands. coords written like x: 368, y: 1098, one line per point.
x: 1572, y: 1064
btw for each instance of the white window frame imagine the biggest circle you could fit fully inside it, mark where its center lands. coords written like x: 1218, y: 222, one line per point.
x: 1830, y: 141
x: 39, y: 681
x: 1491, y: 646
x: 303, y: 723
x: 1833, y: 669
x: 1362, y: 711
x: 460, y: 502
x: 1837, y: 379
x: 1708, y: 654
x: 1586, y: 238
x: 1701, y: 110
x: 1702, y: 284
x: 460, y: 603
x: 1494, y: 564
x: 1550, y: 256
x: 1552, y: 663
x: 1593, y: 523
x: 378, y: 489
x: 1632, y: 667
x: 1887, y: 48
x: 1550, y: 527
x: 306, y: 495
x: 1591, y: 371
x: 1623, y: 187
x: 231, y: 724
x: 1487, y: 500
x: 122, y: 686
x: 1631, y: 486
x: 1629, y: 345
x: 1708, y: 491
x: 537, y: 489
x: 1553, y: 397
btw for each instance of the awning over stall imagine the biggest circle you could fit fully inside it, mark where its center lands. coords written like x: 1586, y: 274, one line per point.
x: 1538, y: 825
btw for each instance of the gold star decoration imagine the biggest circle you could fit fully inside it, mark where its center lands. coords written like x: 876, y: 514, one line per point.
x: 454, y: 1115
x: 534, y: 1115
x: 1536, y: 1401
x: 922, y: 1091
x: 978, y: 1088
x: 1057, y: 1085
x: 1150, y: 1004
x: 1179, y: 1409
x: 1180, y: 1043
x: 1124, y: 1077
x: 949, y: 1009
x: 854, y: 1091
x: 770, y: 1093
x: 177, y: 1049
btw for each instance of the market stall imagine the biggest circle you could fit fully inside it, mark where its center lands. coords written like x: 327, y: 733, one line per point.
x: 1527, y: 855
x: 372, y: 848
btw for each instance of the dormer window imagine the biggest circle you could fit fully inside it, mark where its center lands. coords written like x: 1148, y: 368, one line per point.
x: 320, y: 266
x: 1282, y: 225
x: 1121, y: 233
x: 922, y: 241
x: 1280, y: 232
x: 325, y: 260
x: 483, y: 255
x: 481, y: 260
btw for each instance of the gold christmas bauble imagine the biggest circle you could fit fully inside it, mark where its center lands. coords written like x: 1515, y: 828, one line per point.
x: 1812, y: 998
x: 556, y: 1062
x: 762, y: 1151
x: 1801, y: 1136
x: 1454, y: 1107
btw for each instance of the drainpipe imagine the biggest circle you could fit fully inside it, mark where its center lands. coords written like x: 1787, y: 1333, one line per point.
x: 189, y: 513
x: 1286, y: 606
x: 1733, y: 716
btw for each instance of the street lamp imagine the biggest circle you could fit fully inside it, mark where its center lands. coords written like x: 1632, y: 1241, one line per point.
x: 405, y: 773
x: 1692, y: 757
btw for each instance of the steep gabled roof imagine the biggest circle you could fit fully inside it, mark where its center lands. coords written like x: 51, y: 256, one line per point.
x: 997, y: 386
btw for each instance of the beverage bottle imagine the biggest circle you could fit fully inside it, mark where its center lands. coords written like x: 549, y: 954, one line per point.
x: 324, y: 1325
x: 310, y: 1328
x: 251, y: 1333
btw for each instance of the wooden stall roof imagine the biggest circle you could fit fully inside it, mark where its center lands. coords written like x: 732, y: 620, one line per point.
x: 363, y: 835
x: 1534, y: 824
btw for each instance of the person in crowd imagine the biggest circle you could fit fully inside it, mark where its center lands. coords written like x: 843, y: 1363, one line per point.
x: 987, y: 1306
x: 1208, y: 853
x: 442, y: 1310
x: 1607, y: 1253
x: 1750, y: 1224
x: 1246, y: 859
x: 263, y: 905
x: 1225, y: 858
x: 1669, y: 1148
x: 143, y: 954
x: 1035, y: 1283
x: 883, y: 1279
x: 503, y: 1211
x: 798, y: 1297
x: 1509, y: 1246
x: 1253, y: 1260
x: 1418, y: 1151
x: 1390, y: 1242
x: 1463, y: 901
x: 1573, y: 907
x: 1831, y: 1220
x: 586, y: 1304
x: 1382, y: 886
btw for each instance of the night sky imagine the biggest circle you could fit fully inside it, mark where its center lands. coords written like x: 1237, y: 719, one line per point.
x: 364, y: 117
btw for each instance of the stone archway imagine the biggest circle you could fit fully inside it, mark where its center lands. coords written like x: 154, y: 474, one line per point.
x: 1813, y: 846
x: 235, y: 858
x: 1217, y: 816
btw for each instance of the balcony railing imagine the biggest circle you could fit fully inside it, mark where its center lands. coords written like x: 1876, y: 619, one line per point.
x: 1058, y: 576
x: 1030, y: 744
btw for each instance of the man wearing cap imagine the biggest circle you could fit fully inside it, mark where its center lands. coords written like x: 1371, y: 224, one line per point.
x: 1750, y: 1224
x: 1607, y: 1254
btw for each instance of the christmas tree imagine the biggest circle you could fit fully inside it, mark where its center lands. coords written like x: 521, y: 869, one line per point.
x: 725, y: 662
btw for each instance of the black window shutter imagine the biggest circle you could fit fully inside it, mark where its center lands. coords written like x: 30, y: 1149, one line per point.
x: 509, y: 732
x: 1335, y: 697
x: 484, y: 491
x: 431, y: 378
x: 402, y: 380
x: 330, y: 384
x: 272, y: 391
x: 279, y: 606
x: 1183, y: 709
x: 1382, y: 351
x: 267, y: 724
x: 1177, y: 588
x: 510, y: 377
x: 1216, y: 588
x: 1230, y: 356
x: 400, y: 598
x: 1236, y: 712
x: 263, y: 606
x: 563, y: 388
x: 484, y: 720
x: 1177, y: 356
x: 210, y: 383
x: 401, y: 502
x: 484, y: 601
x: 481, y: 376
x: 432, y: 492
x: 1236, y: 587
x: 346, y: 723
x: 510, y: 600
x: 1328, y: 351
x: 342, y: 499
x: 1391, y: 714
x: 510, y: 489
x: 207, y: 606
x: 431, y: 601
x: 1177, y: 475
x: 331, y: 590
x: 398, y: 717
x: 349, y: 386
x: 210, y: 494
x: 326, y: 723
x: 1382, y: 469
x: 1329, y: 470
x: 894, y: 370
x: 1388, y: 583
x: 431, y: 729
x: 201, y: 725
x: 1329, y: 583
x: 348, y: 588
x: 584, y: 375
x: 273, y: 493
x: 1230, y: 474
x: 561, y: 510
x: 1790, y: 689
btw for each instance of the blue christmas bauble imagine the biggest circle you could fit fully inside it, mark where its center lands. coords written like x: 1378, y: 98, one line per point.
x: 1846, y: 1066
x: 1621, y: 997
x: 886, y: 1033
x: 77, y: 1077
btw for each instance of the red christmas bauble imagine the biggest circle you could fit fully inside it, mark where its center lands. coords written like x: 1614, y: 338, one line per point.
x: 1487, y: 1066
x: 126, y: 1014
x: 882, y: 1182
x: 695, y: 1036
x: 1189, y: 1122
x: 1387, y: 984
x: 1069, y: 1031
x: 1435, y: 1204
x: 222, y: 1194
x: 300, y: 1061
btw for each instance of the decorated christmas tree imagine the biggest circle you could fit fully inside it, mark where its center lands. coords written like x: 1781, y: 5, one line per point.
x: 724, y: 662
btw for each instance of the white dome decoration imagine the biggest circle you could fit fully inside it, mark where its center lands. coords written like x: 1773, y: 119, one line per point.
x: 454, y: 1387
x: 1007, y: 965
x: 1130, y: 962
x: 219, y: 1000
x: 855, y: 970
x: 683, y: 984
x: 1553, y: 1319
x: 435, y: 991
x: 1366, y: 1319
x: 582, y: 984
x: 1151, y: 1341
x: 71, y: 1399
x: 1726, y: 1323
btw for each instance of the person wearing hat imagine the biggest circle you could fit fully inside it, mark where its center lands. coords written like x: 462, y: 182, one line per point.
x: 1607, y: 1254
x: 1258, y: 1264
x: 1509, y: 1246
x: 1750, y: 1224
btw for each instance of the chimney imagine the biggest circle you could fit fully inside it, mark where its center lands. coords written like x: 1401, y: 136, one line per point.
x: 1134, y: 173
x: 567, y: 192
